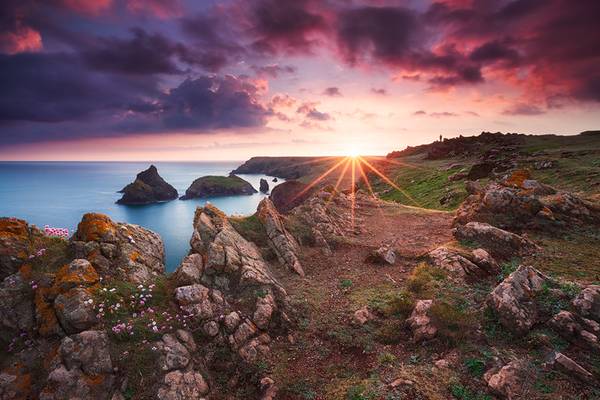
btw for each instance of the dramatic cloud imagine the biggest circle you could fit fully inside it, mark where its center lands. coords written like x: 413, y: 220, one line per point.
x: 523, y: 109
x: 311, y: 112
x: 22, y: 39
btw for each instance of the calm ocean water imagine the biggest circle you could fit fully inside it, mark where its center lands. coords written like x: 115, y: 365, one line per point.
x: 59, y: 193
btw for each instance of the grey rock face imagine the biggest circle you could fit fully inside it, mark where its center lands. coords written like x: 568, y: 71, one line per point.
x: 280, y: 240
x: 512, y: 381
x: 16, y: 304
x: 75, y: 311
x: 587, y: 303
x: 513, y: 300
x: 190, y: 270
x: 125, y: 251
x: 181, y: 385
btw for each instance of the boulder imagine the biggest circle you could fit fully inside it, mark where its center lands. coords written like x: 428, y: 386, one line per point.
x: 362, y: 316
x: 587, y: 302
x: 264, y: 186
x: 290, y: 194
x: 75, y: 310
x: 189, y: 271
x: 83, y: 369
x: 569, y: 366
x: 17, y: 312
x: 17, y: 242
x: 383, y: 255
x: 148, y: 187
x: 512, y: 381
x: 182, y: 385
x: 498, y: 242
x: 200, y: 301
x: 280, y: 240
x: 211, y: 186
x: 420, y: 322
x: 119, y: 250
x: 463, y: 264
x: 513, y: 300
x: 173, y: 354
x: 580, y: 331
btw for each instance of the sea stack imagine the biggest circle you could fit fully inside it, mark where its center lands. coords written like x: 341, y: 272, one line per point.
x: 210, y: 186
x: 264, y: 186
x: 148, y: 187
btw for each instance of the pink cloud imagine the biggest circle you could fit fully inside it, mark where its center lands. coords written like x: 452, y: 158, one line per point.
x: 158, y: 8
x: 23, y: 39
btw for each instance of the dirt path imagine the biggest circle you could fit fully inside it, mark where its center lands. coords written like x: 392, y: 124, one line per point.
x: 326, y: 353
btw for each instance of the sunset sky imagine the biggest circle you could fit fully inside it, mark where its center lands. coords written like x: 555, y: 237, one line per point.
x: 230, y: 79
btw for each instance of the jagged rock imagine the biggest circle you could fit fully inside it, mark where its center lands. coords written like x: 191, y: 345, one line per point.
x: 190, y: 270
x: 75, y: 310
x: 17, y: 242
x: 576, y: 329
x: 570, y: 367
x: 16, y: 304
x: 258, y: 346
x: 148, y: 187
x: 511, y: 381
x: 520, y: 202
x: 498, y: 242
x: 462, y: 264
x: 265, y: 306
x: 420, y: 322
x: 200, y: 301
x: 209, y: 186
x: 587, y: 302
x: 187, y: 339
x: 119, y: 250
x: 383, y: 255
x: 280, y: 240
x: 290, y: 194
x: 83, y: 369
x: 264, y: 186
x: 513, y: 300
x: 268, y: 389
x: 174, y: 355
x: 362, y: 316
x: 181, y: 385
x: 321, y: 242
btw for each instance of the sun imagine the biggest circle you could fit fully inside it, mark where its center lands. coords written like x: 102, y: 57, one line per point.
x: 352, y: 152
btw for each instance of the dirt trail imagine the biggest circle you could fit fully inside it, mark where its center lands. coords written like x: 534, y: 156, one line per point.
x: 321, y: 352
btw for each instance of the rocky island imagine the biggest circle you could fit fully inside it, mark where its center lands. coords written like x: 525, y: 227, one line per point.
x: 209, y: 186
x: 148, y: 187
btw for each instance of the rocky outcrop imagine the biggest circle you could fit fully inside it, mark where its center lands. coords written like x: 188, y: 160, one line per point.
x: 212, y: 186
x: 462, y: 264
x: 587, y: 302
x: 82, y: 369
x: 17, y: 241
x: 117, y: 249
x: 580, y: 331
x: 498, y: 242
x: 520, y: 202
x: 283, y: 167
x: 148, y: 187
x: 189, y: 271
x: 512, y: 381
x: 233, y: 273
x: 513, y: 300
x: 362, y: 316
x: 385, y: 254
x: 264, y: 186
x: 569, y: 366
x: 181, y: 385
x: 290, y: 194
x: 280, y: 240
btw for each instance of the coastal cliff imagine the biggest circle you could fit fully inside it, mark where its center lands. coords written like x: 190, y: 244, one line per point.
x: 208, y: 186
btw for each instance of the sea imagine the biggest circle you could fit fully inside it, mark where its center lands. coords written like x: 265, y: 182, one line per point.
x: 59, y: 193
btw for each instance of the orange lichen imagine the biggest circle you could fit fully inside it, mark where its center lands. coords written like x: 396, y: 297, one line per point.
x: 48, y: 324
x: 517, y: 178
x: 93, y: 227
x: 13, y: 227
x: 66, y: 277
x: 21, y: 386
x: 134, y: 256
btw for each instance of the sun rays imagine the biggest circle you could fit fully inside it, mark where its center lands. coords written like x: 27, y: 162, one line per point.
x: 353, y: 169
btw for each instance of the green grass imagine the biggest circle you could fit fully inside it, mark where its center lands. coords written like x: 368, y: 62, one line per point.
x: 251, y: 229
x: 230, y: 182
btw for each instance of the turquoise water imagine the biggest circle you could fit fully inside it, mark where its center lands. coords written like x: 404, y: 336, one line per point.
x: 59, y: 193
